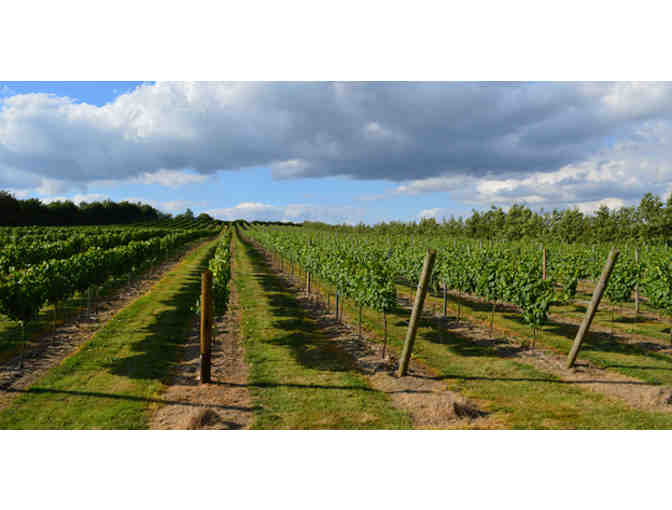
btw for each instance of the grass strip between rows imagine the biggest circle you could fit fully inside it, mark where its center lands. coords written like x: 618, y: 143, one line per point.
x: 518, y: 395
x: 598, y: 347
x: 297, y: 378
x: 114, y: 379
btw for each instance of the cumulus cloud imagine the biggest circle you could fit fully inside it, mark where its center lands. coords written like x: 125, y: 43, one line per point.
x: 170, y: 178
x: 79, y: 197
x: 171, y: 206
x: 547, y: 145
x: 296, y: 213
x: 435, y: 213
x: 591, y: 207
x: 618, y: 175
x: 393, y: 131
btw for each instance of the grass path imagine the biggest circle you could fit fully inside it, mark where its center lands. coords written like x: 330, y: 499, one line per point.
x: 517, y: 394
x: 599, y: 347
x: 297, y: 379
x: 114, y: 379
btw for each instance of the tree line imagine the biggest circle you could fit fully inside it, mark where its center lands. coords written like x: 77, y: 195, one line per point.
x: 650, y: 221
x: 32, y: 211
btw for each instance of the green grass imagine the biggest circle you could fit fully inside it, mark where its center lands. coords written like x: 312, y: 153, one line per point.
x: 297, y: 377
x: 517, y: 395
x: 623, y: 323
x: 113, y: 380
x: 598, y: 347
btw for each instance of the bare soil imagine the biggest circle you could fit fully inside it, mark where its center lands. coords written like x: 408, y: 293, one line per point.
x: 420, y: 393
x: 49, y: 349
x: 225, y: 403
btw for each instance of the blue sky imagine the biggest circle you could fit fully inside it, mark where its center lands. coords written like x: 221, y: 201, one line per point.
x: 336, y: 152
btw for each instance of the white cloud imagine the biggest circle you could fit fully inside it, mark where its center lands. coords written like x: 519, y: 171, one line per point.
x: 80, y: 197
x: 296, y: 213
x: 289, y: 168
x: 393, y: 131
x: 619, y: 175
x: 437, y: 213
x: 171, y: 178
x: 591, y: 207
x: 54, y: 187
x: 172, y: 206
x: 552, y: 145
x: 179, y: 206
x: 434, y: 184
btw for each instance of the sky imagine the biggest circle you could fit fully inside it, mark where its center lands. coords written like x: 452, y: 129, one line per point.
x: 339, y: 152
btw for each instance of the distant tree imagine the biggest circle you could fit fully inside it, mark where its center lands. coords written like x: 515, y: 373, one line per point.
x: 652, y: 217
x: 9, y: 209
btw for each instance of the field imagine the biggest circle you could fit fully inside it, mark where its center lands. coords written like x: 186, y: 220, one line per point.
x: 100, y: 328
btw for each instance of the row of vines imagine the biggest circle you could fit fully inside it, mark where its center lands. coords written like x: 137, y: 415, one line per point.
x: 364, y: 267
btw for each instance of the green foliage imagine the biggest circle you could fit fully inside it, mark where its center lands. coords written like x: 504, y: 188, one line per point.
x: 22, y: 293
x: 220, y: 265
x: 659, y: 285
x: 625, y: 276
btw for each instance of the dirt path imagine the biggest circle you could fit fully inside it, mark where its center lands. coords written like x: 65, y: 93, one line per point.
x: 421, y: 394
x: 225, y: 403
x: 48, y: 350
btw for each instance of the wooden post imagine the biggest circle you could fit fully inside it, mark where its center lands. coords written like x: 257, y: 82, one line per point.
x: 590, y: 313
x: 417, y: 311
x: 308, y: 283
x: 206, y: 324
x: 445, y: 300
x: 636, y: 286
x: 385, y: 339
x: 360, y: 322
x: 544, y: 265
x: 337, y: 303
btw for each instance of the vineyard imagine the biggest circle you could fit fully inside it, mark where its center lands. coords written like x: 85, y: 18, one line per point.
x: 141, y: 326
x: 368, y: 269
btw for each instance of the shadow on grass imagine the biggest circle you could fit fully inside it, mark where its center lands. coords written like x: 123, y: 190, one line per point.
x: 536, y: 380
x: 463, y: 345
x: 290, y: 385
x: 132, y: 398
x: 308, y: 343
x: 549, y: 380
x: 157, y: 352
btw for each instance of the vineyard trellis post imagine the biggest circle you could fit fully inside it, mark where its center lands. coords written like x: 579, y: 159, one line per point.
x: 445, y: 300
x: 544, y: 264
x: 385, y: 334
x: 417, y: 311
x: 206, y: 324
x: 592, y: 308
x: 636, y: 286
